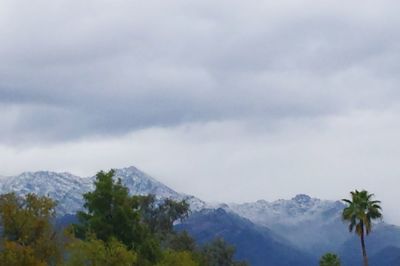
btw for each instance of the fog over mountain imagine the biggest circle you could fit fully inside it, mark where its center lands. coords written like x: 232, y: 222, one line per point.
x: 261, y: 100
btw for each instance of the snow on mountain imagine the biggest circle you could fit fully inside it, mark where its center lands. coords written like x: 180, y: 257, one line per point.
x: 139, y: 183
x: 302, y: 220
x: 67, y: 189
x: 298, y: 209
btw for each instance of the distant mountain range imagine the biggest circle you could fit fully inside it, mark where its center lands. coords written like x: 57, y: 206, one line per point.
x: 284, y: 232
x: 67, y: 189
x: 319, y: 220
x: 256, y: 244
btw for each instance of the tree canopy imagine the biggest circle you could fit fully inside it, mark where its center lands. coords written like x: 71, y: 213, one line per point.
x: 329, y: 259
x: 29, y: 237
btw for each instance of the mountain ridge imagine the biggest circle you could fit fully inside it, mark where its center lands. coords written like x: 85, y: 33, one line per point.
x: 67, y: 189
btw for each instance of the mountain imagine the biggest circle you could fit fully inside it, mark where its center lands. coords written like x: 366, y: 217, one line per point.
x: 67, y: 189
x: 310, y: 224
x: 380, y: 245
x: 315, y: 226
x: 256, y: 244
x: 389, y: 256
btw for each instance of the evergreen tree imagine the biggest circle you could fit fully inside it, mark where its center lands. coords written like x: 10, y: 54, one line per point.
x: 159, y: 216
x: 139, y: 222
x: 110, y: 212
x: 219, y: 253
x: 181, y: 241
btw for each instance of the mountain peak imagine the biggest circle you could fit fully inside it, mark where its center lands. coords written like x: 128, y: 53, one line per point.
x: 128, y: 169
x: 302, y: 198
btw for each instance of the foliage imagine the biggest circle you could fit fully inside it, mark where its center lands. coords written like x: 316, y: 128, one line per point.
x: 95, y: 252
x: 360, y: 212
x: 181, y: 241
x: 219, y: 253
x: 14, y: 254
x: 110, y: 212
x: 160, y: 216
x: 181, y: 258
x: 149, y: 251
x: 329, y: 259
x: 28, y: 232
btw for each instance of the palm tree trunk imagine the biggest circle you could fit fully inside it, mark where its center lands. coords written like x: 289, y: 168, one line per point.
x: 364, y: 251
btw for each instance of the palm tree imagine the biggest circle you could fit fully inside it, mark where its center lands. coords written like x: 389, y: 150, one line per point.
x: 329, y: 259
x: 360, y: 212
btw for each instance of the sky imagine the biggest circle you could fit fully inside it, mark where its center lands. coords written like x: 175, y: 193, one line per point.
x: 227, y: 100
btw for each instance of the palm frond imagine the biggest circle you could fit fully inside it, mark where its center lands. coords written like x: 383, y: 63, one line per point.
x: 347, y: 201
x: 361, y: 210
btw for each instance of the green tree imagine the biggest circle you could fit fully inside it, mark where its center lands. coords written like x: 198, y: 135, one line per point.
x: 359, y: 212
x: 181, y: 241
x: 160, y: 216
x: 139, y: 222
x: 14, y: 254
x: 29, y: 237
x: 219, y: 253
x: 329, y: 259
x: 95, y: 252
x: 180, y: 258
x: 110, y: 212
x: 149, y: 251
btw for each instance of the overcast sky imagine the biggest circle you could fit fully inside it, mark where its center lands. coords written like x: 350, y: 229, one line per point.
x: 226, y: 100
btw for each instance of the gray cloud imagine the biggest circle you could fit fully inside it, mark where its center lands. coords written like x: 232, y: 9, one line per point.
x: 74, y: 69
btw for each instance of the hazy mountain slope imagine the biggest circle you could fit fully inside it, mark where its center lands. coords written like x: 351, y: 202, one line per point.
x: 308, y: 223
x: 389, y: 256
x: 258, y: 245
x: 383, y: 238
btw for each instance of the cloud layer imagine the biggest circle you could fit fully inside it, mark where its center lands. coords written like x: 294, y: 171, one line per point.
x: 73, y: 69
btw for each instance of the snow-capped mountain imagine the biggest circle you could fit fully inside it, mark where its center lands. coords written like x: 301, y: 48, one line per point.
x: 67, y: 189
x: 304, y: 221
x: 298, y: 209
